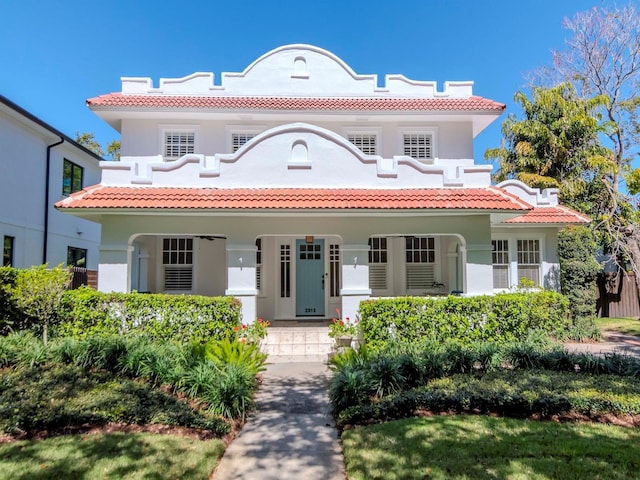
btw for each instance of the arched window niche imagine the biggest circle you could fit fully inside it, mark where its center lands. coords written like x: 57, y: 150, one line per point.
x: 300, y: 68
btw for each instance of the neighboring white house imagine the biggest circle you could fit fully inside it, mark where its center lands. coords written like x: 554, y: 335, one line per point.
x: 39, y: 166
x: 300, y: 187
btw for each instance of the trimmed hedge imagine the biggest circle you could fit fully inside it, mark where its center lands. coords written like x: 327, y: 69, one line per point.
x: 508, y: 393
x: 502, y: 317
x: 184, y: 318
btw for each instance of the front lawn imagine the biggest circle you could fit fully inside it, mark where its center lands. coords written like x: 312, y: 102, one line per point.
x: 628, y: 326
x: 481, y: 447
x: 111, y: 456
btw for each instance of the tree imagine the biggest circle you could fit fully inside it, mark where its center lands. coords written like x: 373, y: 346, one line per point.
x: 113, y: 150
x: 38, y: 292
x: 556, y: 144
x: 88, y: 140
x: 603, y: 58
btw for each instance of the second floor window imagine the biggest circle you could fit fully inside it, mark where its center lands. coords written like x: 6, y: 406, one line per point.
x: 178, y: 144
x: 239, y: 139
x: 418, y: 145
x: 367, y: 142
x: 71, y: 177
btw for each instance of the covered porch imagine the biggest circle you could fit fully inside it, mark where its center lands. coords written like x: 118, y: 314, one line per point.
x: 297, y: 266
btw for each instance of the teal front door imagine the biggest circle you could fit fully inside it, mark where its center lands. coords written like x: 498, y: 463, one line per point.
x: 309, y: 278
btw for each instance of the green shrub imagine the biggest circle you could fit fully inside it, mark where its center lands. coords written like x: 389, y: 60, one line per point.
x: 229, y: 351
x: 231, y: 396
x: 578, y: 276
x: 501, y: 317
x: 349, y: 386
x: 371, y: 378
x: 181, y: 318
x: 69, y: 396
x: 10, y: 317
x: 509, y: 393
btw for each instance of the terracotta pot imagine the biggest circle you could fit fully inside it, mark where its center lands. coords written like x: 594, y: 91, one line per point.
x: 343, y: 341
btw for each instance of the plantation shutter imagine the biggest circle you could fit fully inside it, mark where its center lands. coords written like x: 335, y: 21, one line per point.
x: 378, y: 276
x: 420, y: 276
x: 178, y: 278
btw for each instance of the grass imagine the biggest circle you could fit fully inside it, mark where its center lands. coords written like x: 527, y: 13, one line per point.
x: 629, y: 326
x: 106, y: 456
x: 481, y: 447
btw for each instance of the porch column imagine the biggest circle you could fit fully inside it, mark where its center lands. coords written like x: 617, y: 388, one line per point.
x: 113, y: 270
x: 241, y: 278
x: 478, y: 269
x: 355, y: 278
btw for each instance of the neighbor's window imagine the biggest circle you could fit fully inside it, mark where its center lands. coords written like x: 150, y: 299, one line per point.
x: 178, y: 143
x: 177, y: 260
x: 7, y: 251
x: 71, y: 177
x: 367, y: 142
x: 77, y: 257
x: 500, y: 260
x: 418, y: 145
x: 529, y: 260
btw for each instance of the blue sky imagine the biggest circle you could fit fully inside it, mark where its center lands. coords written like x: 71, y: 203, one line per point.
x: 55, y: 55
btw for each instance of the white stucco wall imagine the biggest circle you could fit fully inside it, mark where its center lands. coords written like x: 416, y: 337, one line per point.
x: 22, y: 194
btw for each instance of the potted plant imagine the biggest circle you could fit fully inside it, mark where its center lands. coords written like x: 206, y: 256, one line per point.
x: 252, y: 333
x: 343, y: 331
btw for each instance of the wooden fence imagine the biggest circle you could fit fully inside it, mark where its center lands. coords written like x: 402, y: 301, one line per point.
x: 617, y: 295
x: 82, y: 276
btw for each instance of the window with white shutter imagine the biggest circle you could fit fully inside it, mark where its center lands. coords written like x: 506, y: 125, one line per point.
x: 238, y: 139
x: 529, y: 260
x: 420, y: 255
x: 378, y: 255
x: 178, y: 143
x: 177, y: 261
x: 367, y: 142
x: 500, y: 260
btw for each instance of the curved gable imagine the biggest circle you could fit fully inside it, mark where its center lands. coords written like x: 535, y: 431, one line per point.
x: 299, y: 70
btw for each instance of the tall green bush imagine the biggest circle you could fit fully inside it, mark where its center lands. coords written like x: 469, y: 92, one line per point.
x: 37, y: 293
x: 501, y: 317
x: 578, y: 274
x: 578, y: 269
x: 181, y: 318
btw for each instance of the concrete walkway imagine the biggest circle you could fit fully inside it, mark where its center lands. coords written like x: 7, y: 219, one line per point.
x: 291, y: 435
x: 614, y: 342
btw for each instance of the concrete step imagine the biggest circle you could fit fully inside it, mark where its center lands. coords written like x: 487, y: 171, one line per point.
x: 297, y: 344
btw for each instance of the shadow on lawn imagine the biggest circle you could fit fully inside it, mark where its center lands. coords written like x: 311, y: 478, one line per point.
x: 479, y: 447
x: 112, y: 455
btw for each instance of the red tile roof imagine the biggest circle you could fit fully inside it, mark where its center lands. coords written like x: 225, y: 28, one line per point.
x: 107, y: 197
x: 558, y: 214
x: 473, y: 103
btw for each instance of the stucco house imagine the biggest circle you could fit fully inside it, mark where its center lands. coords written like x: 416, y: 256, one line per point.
x: 39, y: 165
x: 300, y: 186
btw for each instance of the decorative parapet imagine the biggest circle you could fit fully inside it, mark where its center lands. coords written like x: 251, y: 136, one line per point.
x: 536, y: 197
x: 296, y: 70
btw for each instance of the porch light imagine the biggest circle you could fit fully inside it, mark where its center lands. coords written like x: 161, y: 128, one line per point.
x: 308, y: 239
